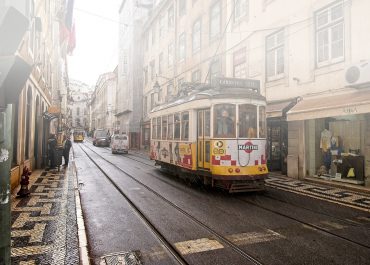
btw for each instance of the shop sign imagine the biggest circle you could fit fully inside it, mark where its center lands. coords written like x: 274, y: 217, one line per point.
x: 237, y: 82
x: 248, y: 147
x: 350, y: 110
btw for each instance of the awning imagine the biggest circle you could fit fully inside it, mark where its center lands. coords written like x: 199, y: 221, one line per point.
x: 356, y: 102
x: 275, y: 109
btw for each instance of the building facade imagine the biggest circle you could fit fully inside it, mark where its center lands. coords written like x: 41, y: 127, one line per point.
x: 103, y: 102
x: 78, y: 104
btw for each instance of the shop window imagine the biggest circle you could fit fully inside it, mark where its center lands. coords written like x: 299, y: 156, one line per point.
x: 262, y: 122
x: 224, y: 121
x: 154, y: 127
x: 185, y: 126
x: 164, y: 127
x: 159, y: 128
x: 247, y: 121
x: 177, y: 126
x: 170, y: 127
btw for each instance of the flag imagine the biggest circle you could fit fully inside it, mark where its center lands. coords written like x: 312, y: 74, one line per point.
x: 69, y: 15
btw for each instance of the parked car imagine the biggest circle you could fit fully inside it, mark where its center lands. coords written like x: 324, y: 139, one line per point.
x: 119, y: 144
x: 101, y: 138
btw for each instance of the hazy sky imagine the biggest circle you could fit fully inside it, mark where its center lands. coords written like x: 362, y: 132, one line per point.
x: 96, y: 24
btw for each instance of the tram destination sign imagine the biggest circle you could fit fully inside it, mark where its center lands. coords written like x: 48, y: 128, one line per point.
x: 237, y: 82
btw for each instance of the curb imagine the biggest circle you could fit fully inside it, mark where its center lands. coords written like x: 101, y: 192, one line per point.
x: 343, y: 186
x: 82, y: 238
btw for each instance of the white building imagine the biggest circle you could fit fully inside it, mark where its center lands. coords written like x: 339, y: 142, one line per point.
x: 79, y: 99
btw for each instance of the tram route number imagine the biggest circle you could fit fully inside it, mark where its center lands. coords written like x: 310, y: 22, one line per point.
x: 217, y: 151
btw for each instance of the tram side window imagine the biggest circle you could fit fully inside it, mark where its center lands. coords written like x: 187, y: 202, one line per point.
x: 170, y: 127
x: 154, y: 128
x: 224, y: 121
x: 164, y: 127
x: 247, y: 121
x: 177, y: 126
x: 185, y: 126
x: 159, y: 128
x: 262, y: 121
x: 207, y: 123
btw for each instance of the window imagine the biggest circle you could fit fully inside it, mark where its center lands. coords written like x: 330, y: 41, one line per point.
x: 275, y: 55
x: 170, y: 54
x: 215, y: 20
x: 152, y: 70
x: 164, y: 127
x: 240, y: 63
x: 247, y: 121
x: 330, y: 35
x: 196, y: 76
x: 170, y: 127
x: 159, y: 128
x: 145, y: 105
x: 78, y: 111
x: 177, y: 126
x: 185, y: 126
x: 146, y: 75
x: 240, y: 9
x: 182, y: 7
x: 196, y: 37
x: 151, y: 101
x: 161, y: 26
x: 182, y: 46
x: 214, y: 69
x: 179, y: 83
x: 170, y: 89
x: 207, y: 123
x: 224, y: 121
x: 262, y: 121
x: 153, y: 34
x: 154, y: 128
x: 170, y: 15
x: 160, y: 63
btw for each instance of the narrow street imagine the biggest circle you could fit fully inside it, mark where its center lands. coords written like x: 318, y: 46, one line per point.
x: 131, y: 205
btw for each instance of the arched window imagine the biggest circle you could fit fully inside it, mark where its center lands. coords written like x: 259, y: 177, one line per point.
x: 78, y: 111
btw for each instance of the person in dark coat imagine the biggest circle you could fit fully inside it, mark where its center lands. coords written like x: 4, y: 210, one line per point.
x: 52, y: 145
x: 67, y: 144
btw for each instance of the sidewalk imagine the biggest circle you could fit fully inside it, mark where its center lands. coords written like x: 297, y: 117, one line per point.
x: 344, y: 194
x: 44, y: 225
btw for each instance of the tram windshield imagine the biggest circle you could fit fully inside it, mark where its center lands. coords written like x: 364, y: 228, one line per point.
x: 247, y: 121
x: 224, y: 120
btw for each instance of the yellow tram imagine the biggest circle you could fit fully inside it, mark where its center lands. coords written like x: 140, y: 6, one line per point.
x: 214, y: 134
x: 78, y: 135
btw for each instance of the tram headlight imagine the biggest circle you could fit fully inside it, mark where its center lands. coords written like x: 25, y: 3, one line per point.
x: 237, y: 170
x: 230, y: 170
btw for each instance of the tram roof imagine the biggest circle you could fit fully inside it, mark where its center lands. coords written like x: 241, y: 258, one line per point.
x: 210, y: 92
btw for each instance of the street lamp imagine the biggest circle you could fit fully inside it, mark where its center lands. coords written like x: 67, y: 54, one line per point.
x: 156, y: 87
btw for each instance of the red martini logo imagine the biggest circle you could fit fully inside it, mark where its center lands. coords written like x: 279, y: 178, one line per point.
x: 248, y: 147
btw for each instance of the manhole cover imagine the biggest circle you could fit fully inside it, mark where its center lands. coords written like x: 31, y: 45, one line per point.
x: 126, y: 258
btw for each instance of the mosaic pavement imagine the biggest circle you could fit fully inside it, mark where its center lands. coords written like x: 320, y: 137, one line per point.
x: 336, y: 195
x: 44, y: 226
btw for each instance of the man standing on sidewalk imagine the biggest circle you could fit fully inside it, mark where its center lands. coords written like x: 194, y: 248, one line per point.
x: 67, y: 144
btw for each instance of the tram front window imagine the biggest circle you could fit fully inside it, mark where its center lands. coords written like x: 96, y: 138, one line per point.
x: 247, y: 121
x: 224, y: 120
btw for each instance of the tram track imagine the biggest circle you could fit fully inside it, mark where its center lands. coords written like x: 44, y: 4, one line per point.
x: 178, y: 256
x: 308, y: 224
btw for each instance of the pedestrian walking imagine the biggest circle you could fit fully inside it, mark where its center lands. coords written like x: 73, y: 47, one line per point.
x: 67, y: 144
x: 52, y: 145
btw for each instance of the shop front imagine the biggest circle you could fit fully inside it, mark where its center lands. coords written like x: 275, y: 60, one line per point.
x: 335, y: 134
x: 277, y: 134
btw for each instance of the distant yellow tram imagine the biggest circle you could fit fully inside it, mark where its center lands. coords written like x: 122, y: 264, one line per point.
x: 78, y: 135
x: 214, y: 134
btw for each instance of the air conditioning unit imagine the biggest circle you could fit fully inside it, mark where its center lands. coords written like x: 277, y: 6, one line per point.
x: 358, y: 75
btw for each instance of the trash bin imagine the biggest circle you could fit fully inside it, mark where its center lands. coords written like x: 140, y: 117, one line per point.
x: 58, y: 157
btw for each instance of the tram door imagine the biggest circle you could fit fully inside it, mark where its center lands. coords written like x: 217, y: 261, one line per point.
x: 204, y: 133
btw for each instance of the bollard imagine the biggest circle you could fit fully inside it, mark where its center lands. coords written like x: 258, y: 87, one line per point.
x: 24, y: 192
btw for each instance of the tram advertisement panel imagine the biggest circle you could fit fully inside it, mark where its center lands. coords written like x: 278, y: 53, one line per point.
x: 249, y: 155
x: 177, y: 153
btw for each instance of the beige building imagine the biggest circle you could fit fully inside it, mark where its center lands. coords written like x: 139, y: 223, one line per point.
x: 78, y: 104
x: 103, y: 102
x: 43, y: 96
x: 314, y: 53
x: 183, y: 41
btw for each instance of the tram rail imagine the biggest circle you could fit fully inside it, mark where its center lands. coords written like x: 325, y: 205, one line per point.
x: 178, y: 256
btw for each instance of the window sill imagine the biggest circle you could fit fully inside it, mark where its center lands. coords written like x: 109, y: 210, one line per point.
x: 329, y: 67
x: 275, y: 80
